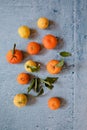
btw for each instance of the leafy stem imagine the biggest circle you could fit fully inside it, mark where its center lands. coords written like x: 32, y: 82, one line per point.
x: 37, y: 84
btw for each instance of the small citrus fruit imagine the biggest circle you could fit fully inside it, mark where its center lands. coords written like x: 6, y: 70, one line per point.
x: 33, y: 48
x: 49, y: 41
x: 54, y: 103
x: 43, y: 23
x: 24, y: 31
x: 30, y: 65
x: 14, y: 56
x: 20, y: 100
x: 23, y: 78
x: 52, y: 68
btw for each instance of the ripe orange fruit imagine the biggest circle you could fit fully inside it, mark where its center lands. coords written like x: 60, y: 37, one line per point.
x: 20, y: 100
x: 24, y: 31
x: 52, y: 68
x: 23, y: 78
x: 49, y: 41
x: 43, y: 23
x: 54, y: 103
x: 33, y: 48
x: 15, y: 58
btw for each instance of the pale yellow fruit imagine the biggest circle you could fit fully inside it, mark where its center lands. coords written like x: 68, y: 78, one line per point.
x: 43, y: 23
x: 20, y: 100
x: 24, y: 31
x: 29, y: 64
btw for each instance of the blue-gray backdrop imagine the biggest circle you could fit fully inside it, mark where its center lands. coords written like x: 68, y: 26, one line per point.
x: 68, y: 20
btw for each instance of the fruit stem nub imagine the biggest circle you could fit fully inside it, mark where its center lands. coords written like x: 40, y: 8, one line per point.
x: 13, y: 51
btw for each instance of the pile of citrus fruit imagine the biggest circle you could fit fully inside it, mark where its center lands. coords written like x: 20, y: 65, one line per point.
x: 53, y: 66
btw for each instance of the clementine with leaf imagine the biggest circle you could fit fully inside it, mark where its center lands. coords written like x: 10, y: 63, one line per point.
x: 52, y: 67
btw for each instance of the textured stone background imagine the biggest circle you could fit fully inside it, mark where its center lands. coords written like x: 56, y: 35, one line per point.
x: 69, y: 22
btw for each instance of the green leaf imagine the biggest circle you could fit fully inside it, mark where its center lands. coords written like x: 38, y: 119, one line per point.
x: 37, y: 85
x: 31, y: 85
x: 41, y: 92
x: 49, y: 86
x: 60, y: 64
x: 51, y: 79
x: 65, y: 54
x: 46, y: 82
x: 34, y: 68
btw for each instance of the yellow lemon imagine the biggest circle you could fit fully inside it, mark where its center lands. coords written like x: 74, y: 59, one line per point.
x: 24, y: 31
x: 30, y: 66
x: 20, y: 100
x: 43, y: 23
